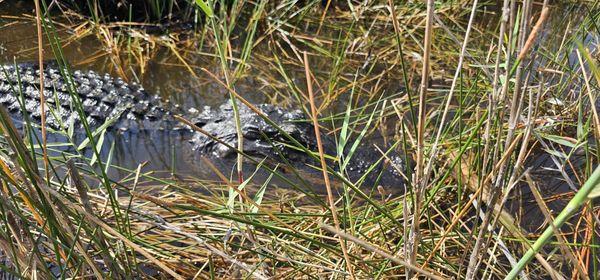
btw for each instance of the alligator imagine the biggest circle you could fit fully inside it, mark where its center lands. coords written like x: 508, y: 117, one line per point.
x: 127, y: 108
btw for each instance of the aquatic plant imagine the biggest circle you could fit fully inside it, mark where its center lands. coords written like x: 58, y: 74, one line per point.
x: 492, y: 102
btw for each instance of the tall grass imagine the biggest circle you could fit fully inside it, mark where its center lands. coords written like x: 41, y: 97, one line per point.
x: 420, y: 75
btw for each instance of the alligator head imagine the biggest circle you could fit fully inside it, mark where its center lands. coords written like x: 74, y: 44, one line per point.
x: 263, y: 140
x: 260, y: 137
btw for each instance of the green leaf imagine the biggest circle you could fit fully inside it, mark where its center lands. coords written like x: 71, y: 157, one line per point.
x: 561, y: 140
x: 588, y: 189
x: 233, y: 194
x: 205, y: 7
x: 595, y: 192
x: 362, y: 134
x: 100, y: 130
x: 258, y: 198
x: 98, y: 147
x: 556, y: 153
x: 345, y: 133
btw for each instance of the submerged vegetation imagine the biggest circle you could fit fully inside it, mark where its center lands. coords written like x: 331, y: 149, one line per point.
x: 492, y: 106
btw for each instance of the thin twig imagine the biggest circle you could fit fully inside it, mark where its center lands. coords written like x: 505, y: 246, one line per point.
x: 557, y: 232
x: 314, y: 116
x: 38, y: 22
x: 418, y: 179
x: 380, y: 252
x: 435, y: 146
x: 534, y: 32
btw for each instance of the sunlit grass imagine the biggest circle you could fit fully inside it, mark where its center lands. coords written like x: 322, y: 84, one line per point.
x: 364, y: 62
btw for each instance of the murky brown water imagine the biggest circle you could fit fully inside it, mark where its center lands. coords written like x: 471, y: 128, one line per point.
x: 163, y: 74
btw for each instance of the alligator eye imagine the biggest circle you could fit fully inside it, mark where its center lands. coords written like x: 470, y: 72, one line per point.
x: 199, y: 121
x: 199, y: 124
x: 253, y: 129
x: 251, y: 134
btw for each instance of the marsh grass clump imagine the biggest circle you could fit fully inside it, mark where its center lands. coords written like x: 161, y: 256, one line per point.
x: 145, y: 11
x: 491, y: 106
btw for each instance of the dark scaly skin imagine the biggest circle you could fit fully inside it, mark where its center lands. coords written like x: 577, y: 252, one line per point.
x: 102, y: 97
x: 131, y: 109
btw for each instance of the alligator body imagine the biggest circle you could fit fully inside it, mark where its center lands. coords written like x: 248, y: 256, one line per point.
x: 128, y: 108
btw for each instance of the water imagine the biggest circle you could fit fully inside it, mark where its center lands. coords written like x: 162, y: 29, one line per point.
x: 163, y: 73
